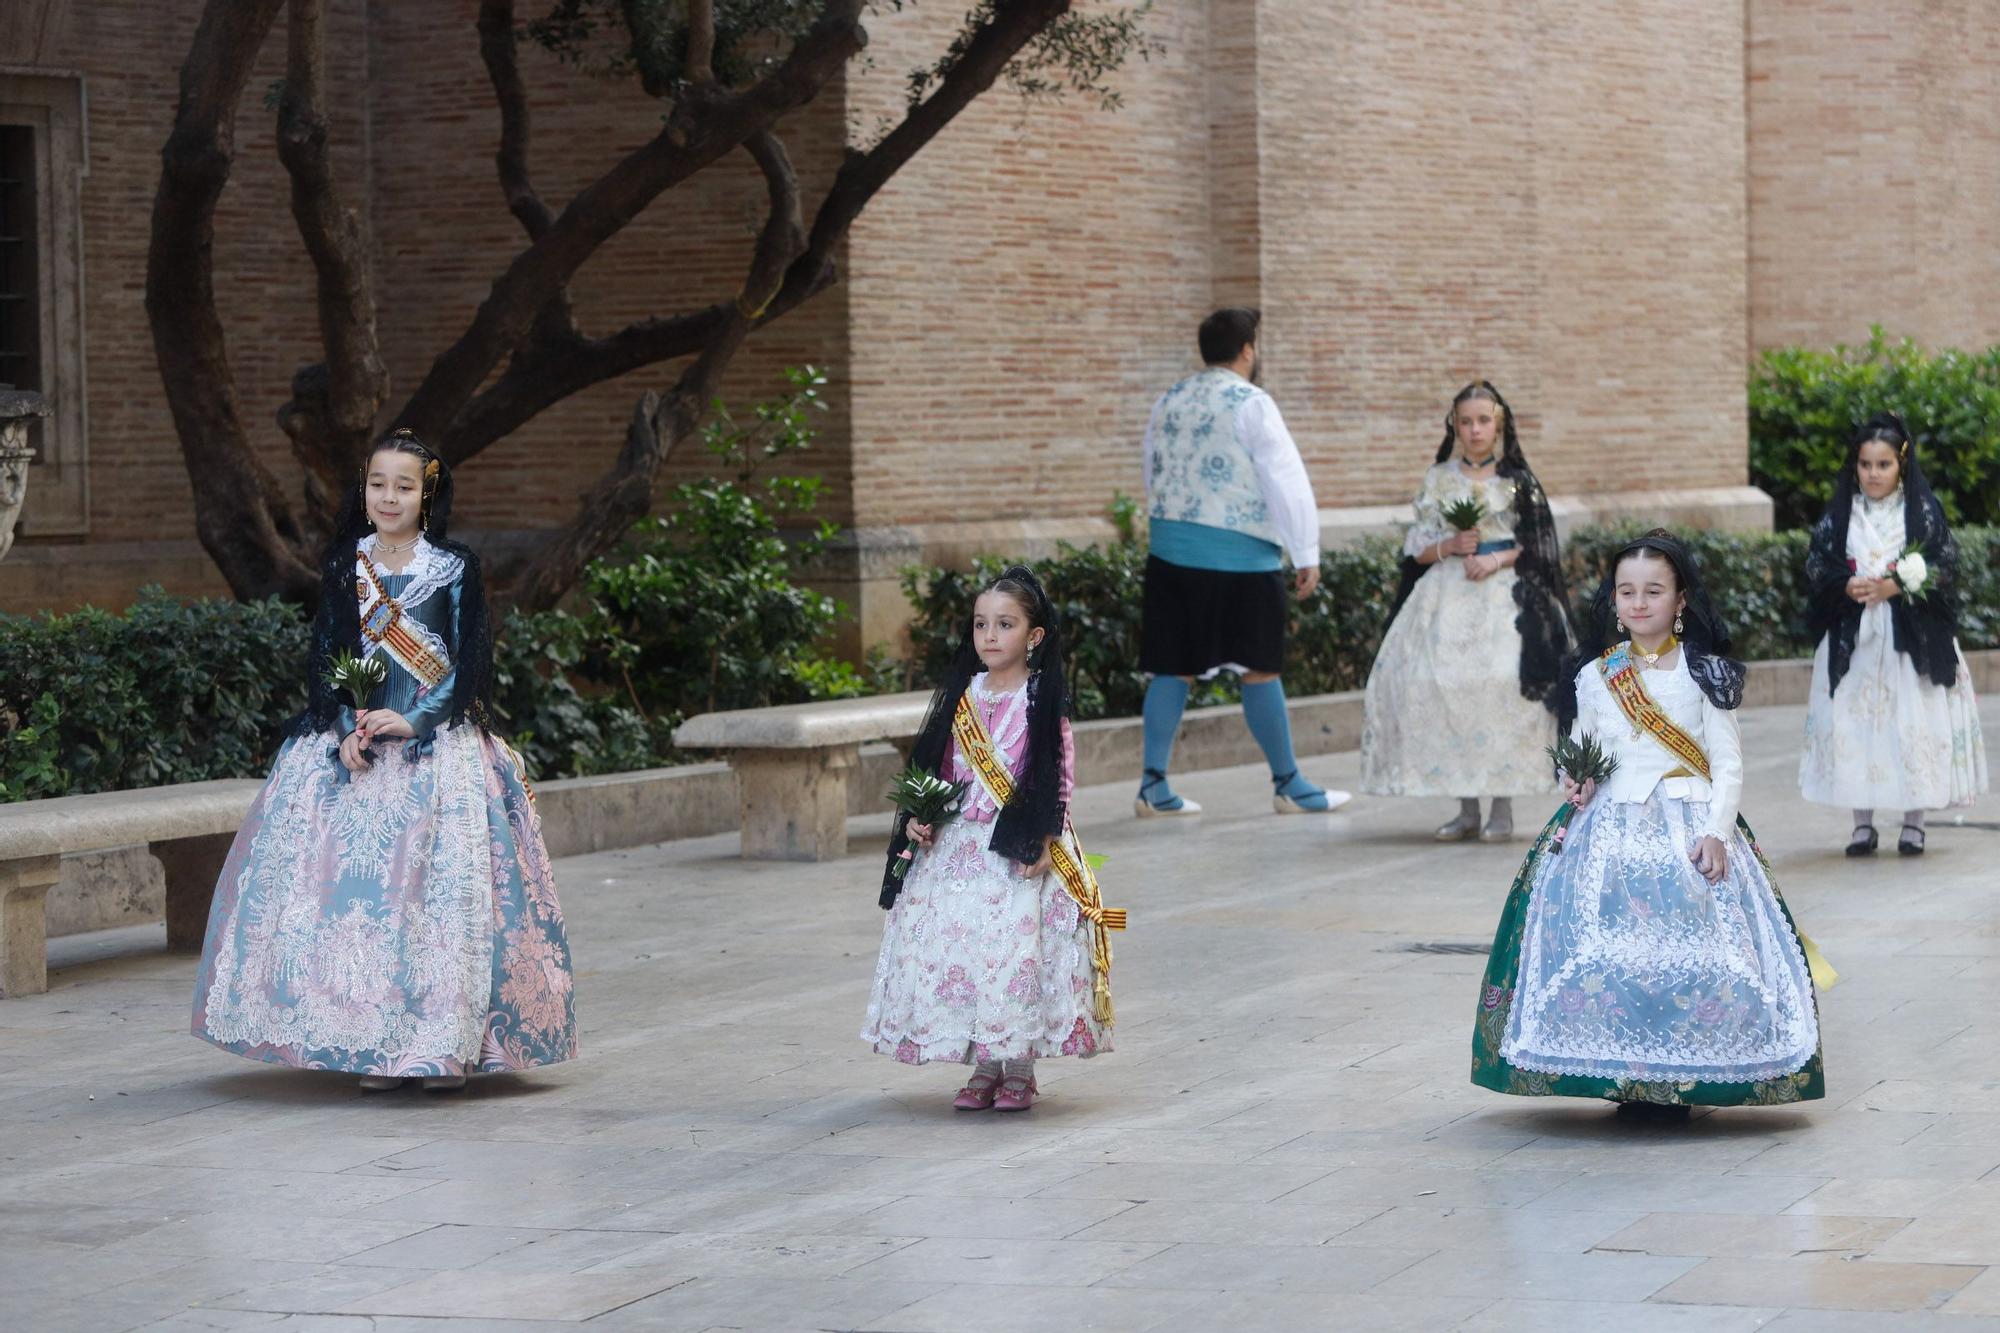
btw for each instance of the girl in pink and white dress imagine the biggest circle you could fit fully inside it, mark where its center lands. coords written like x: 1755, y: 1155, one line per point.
x: 987, y: 957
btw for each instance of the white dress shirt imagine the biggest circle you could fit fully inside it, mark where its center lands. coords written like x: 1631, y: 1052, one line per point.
x: 1281, y: 478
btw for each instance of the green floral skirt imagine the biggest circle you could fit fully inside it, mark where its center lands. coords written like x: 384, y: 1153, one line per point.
x: 1547, y: 860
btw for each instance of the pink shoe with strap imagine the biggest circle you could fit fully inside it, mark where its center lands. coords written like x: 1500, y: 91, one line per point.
x: 978, y: 1092
x: 1016, y: 1094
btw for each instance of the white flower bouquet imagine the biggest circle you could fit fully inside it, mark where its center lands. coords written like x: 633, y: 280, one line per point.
x: 1912, y: 572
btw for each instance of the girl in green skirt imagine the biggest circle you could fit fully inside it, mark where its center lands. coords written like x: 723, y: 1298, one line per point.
x: 1644, y: 955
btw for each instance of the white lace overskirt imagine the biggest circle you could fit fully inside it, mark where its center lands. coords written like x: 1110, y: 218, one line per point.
x: 1635, y: 967
x: 1890, y: 738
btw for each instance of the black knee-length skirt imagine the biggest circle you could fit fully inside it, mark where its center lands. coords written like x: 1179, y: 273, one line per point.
x: 1200, y: 621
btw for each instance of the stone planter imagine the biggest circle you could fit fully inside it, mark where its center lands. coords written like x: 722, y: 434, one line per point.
x: 17, y: 409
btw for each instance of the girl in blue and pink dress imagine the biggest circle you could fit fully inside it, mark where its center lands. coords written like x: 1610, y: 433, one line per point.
x: 988, y: 957
x: 388, y: 908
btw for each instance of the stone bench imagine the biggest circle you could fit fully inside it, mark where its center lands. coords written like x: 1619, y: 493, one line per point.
x: 793, y: 764
x: 188, y: 827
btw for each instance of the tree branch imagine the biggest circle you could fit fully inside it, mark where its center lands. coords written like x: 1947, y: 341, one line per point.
x: 1013, y: 24
x: 624, y: 495
x: 241, y: 515
x: 331, y: 418
x: 497, y: 47
x: 536, y: 380
x: 701, y: 41
x: 700, y: 131
x: 783, y: 237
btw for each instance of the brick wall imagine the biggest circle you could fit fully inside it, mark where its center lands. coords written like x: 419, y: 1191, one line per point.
x: 416, y: 129
x: 1547, y: 194
x: 1874, y: 171
x: 1026, y: 286
x: 130, y: 53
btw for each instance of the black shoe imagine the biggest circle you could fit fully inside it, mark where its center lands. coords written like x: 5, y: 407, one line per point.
x: 1912, y: 841
x: 1866, y: 840
x: 1663, y: 1113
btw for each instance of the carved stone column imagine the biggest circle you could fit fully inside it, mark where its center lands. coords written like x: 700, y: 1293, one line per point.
x: 18, y: 407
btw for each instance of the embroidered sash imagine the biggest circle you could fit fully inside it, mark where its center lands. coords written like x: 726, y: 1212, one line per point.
x: 1066, y: 858
x: 1621, y: 676
x: 386, y: 627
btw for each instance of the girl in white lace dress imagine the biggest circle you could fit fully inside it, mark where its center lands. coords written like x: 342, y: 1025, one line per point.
x: 1892, y: 721
x: 1644, y: 955
x: 988, y: 957
x: 1478, y: 636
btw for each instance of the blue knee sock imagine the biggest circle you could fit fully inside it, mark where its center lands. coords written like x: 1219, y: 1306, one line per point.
x: 1264, y: 710
x: 1166, y: 700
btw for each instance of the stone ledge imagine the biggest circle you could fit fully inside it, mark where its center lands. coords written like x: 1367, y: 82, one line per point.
x: 1729, y: 508
x: 114, y: 818
x: 813, y: 726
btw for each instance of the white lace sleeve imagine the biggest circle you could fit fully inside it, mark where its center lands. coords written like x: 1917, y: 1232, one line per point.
x: 1429, y: 529
x: 1724, y: 743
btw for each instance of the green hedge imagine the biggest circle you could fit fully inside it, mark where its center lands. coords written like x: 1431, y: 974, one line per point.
x: 167, y: 692
x: 699, y: 610
x: 1756, y: 579
x: 1805, y: 404
x: 1097, y: 596
x: 173, y: 692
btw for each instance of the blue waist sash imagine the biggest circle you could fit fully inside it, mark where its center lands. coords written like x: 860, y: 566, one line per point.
x: 1488, y: 548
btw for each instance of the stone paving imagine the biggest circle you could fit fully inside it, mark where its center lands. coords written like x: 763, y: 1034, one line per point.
x: 1285, y: 1138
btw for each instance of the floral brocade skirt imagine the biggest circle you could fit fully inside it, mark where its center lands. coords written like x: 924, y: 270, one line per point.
x: 1443, y: 713
x: 981, y: 963
x: 1618, y: 972
x: 402, y: 921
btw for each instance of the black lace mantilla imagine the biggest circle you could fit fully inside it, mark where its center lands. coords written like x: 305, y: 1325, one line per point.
x: 337, y: 621
x: 1704, y: 638
x: 1037, y: 810
x: 1926, y: 629
x: 1543, y: 615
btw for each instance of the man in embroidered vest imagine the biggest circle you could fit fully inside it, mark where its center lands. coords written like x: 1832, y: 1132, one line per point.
x: 1227, y: 499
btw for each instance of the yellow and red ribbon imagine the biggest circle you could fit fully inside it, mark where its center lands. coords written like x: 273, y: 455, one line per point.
x: 1066, y: 858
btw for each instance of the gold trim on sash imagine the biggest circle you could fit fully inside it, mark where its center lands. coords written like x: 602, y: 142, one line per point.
x: 1622, y: 678
x: 383, y: 625
x: 1066, y: 858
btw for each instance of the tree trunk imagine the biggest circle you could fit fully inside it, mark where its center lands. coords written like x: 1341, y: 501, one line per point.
x: 242, y: 517
x: 331, y: 417
x: 521, y: 352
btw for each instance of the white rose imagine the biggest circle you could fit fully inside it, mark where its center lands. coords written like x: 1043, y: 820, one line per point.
x: 1912, y: 572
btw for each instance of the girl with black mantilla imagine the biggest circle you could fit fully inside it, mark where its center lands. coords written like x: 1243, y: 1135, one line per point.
x: 1644, y: 955
x: 1892, y: 722
x: 990, y: 954
x: 1478, y: 635
x: 388, y: 908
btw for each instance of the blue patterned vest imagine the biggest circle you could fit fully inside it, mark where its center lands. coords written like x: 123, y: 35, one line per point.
x: 1201, y: 471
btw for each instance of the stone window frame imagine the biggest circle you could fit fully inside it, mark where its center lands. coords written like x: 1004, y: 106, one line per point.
x: 52, y: 103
